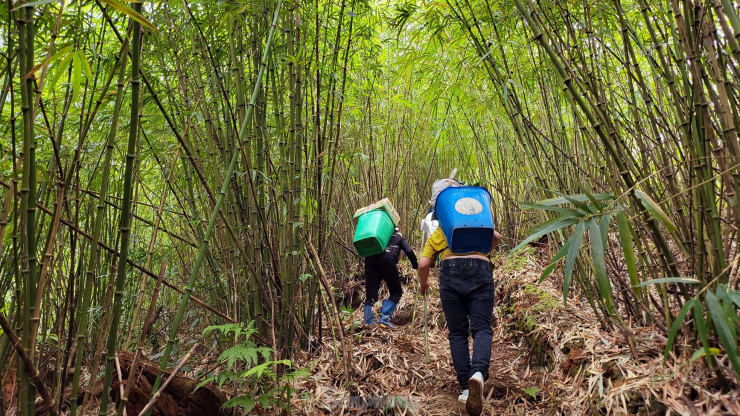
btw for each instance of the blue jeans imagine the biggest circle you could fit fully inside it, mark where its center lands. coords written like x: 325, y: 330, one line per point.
x: 466, y: 289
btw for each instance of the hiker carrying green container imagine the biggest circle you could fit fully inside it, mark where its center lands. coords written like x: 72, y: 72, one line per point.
x: 380, y: 242
x: 381, y: 267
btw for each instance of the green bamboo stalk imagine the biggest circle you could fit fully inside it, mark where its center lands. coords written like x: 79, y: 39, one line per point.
x: 86, y: 296
x: 28, y: 198
x: 606, y: 141
x: 125, y: 219
x: 214, y: 214
x: 150, y: 251
x: 729, y: 10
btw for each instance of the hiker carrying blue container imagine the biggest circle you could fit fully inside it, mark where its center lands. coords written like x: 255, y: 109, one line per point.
x: 466, y: 286
x: 381, y: 267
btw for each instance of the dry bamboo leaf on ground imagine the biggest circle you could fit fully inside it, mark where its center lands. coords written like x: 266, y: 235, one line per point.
x: 564, y: 364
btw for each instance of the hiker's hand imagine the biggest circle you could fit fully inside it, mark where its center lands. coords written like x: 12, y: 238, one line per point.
x: 423, y: 287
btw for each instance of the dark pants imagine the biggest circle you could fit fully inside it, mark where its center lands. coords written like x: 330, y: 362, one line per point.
x: 377, y: 269
x: 466, y: 289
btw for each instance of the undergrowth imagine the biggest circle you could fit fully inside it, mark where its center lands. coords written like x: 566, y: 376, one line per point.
x: 251, y: 369
x: 513, y: 262
x: 540, y: 301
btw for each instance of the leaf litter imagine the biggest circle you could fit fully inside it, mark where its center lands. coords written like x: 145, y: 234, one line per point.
x: 547, y: 359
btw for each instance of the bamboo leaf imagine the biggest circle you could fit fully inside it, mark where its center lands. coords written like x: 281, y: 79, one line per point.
x: 684, y: 280
x: 732, y: 316
x: 546, y: 228
x: 85, y: 65
x: 700, y: 353
x: 721, y: 293
x: 701, y: 328
x: 34, y: 4
x: 561, y: 253
x: 60, y: 70
x: 604, y: 227
x: 76, y: 74
x: 723, y: 330
x: 578, y: 197
x: 597, y: 251
x: 590, y: 196
x: 529, y: 205
x: 625, y: 237
x: 727, y: 309
x: 130, y: 13
x: 546, y: 272
x: 48, y: 60
x: 735, y: 296
x: 580, y: 204
x: 676, y: 326
x: 655, y: 210
x: 575, y: 246
x: 554, y: 262
x: 228, y: 20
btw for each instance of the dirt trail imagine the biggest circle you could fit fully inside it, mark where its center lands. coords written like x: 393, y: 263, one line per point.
x: 546, y: 359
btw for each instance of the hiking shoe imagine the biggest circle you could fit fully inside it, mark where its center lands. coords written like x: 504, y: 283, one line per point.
x: 474, y: 404
x: 463, y: 397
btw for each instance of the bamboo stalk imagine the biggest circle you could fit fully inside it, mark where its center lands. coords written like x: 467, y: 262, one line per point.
x: 346, y: 358
x: 139, y: 352
x: 150, y: 254
x: 85, y: 299
x: 125, y: 218
x: 214, y: 215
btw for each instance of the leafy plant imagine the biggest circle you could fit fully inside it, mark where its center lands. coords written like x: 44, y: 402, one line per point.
x: 723, y: 310
x: 251, y: 369
x: 532, y: 391
x: 721, y: 304
x: 589, y: 208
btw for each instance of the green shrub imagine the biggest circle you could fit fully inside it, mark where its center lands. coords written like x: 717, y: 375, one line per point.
x: 251, y: 369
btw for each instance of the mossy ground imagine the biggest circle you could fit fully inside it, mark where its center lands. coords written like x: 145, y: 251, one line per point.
x: 539, y: 302
x: 523, y: 304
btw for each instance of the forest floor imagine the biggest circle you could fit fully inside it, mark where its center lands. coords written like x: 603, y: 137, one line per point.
x: 547, y: 359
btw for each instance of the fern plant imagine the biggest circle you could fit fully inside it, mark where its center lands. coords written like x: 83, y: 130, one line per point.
x: 251, y: 369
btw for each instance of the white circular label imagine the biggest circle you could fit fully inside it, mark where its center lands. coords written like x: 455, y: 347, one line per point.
x: 468, y: 206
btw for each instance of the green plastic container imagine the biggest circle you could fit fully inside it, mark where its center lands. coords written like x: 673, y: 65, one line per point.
x: 374, y: 230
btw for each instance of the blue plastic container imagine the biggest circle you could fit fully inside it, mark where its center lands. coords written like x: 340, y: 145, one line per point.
x: 464, y: 213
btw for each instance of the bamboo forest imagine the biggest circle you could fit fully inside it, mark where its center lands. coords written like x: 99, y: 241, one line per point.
x: 203, y: 206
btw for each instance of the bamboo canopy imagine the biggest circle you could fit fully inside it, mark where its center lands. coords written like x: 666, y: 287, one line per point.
x: 179, y: 173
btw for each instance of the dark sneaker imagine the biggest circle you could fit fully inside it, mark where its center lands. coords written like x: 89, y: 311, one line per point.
x: 474, y: 404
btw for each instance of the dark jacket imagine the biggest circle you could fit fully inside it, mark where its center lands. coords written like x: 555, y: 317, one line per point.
x: 393, y: 250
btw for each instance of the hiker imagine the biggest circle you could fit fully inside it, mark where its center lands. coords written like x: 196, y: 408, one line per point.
x: 383, y: 267
x: 466, y: 289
